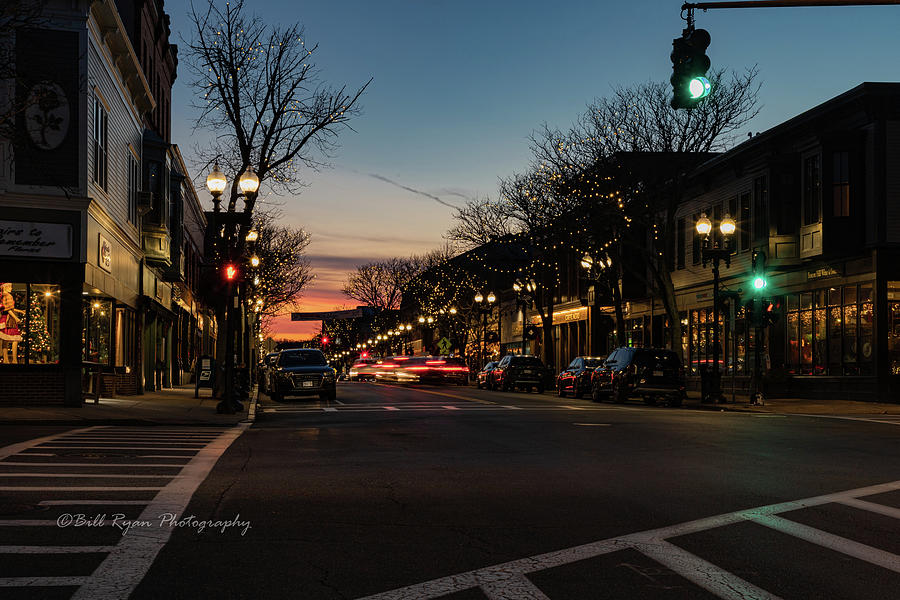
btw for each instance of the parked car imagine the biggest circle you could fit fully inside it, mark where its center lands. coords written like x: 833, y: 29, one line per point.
x: 265, y: 370
x: 577, y: 376
x: 302, y: 372
x: 362, y: 369
x: 649, y: 373
x: 519, y: 372
x: 484, y: 379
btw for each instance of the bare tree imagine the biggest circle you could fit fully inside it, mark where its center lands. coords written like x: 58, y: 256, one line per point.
x: 286, y: 270
x: 380, y: 284
x: 259, y: 92
x: 17, y: 16
x: 641, y: 149
x: 477, y: 222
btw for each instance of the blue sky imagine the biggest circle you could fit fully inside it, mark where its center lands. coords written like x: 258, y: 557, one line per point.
x: 458, y: 87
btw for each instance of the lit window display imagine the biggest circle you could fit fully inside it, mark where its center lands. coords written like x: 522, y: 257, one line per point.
x: 29, y: 323
x: 830, y: 331
x: 97, y: 323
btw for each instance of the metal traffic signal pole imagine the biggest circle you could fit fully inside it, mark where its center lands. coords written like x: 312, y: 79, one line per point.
x: 782, y: 4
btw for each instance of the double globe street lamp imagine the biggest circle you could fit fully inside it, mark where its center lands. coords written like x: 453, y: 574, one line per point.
x: 226, y: 246
x: 714, y: 251
x: 486, y: 309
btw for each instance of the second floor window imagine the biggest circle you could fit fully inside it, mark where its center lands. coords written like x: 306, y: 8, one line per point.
x: 812, y: 188
x: 134, y: 180
x: 101, y: 164
x: 760, y: 208
x: 840, y: 185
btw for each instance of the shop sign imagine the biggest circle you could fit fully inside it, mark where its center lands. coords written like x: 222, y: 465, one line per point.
x: 823, y: 273
x: 35, y: 240
x: 104, y: 258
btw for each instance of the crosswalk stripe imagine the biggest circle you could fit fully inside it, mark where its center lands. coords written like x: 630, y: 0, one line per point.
x: 888, y: 511
x: 43, y: 581
x: 512, y: 587
x: 832, y: 542
x: 54, y: 549
x: 705, y: 574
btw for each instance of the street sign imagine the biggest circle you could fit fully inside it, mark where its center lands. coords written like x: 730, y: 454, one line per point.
x: 444, y: 345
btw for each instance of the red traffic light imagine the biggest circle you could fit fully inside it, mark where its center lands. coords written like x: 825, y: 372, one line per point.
x: 230, y: 272
x: 324, y: 340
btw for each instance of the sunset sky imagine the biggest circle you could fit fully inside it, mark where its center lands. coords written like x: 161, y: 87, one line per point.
x: 458, y: 87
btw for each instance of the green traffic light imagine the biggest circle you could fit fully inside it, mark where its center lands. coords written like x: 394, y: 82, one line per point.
x: 759, y: 283
x: 699, y: 87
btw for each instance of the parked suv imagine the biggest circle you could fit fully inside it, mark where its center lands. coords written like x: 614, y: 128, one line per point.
x: 519, y: 372
x: 301, y: 372
x: 646, y: 372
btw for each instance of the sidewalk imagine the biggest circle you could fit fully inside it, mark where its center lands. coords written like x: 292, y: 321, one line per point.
x: 173, y: 406
x: 797, y: 406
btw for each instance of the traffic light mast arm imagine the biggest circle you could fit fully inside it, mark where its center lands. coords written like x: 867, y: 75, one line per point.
x: 690, y: 6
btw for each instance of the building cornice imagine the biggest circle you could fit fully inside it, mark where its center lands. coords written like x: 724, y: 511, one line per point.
x: 115, y: 37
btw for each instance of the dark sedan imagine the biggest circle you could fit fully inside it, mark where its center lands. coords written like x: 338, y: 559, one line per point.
x: 576, y: 379
x: 302, y: 372
x: 484, y: 379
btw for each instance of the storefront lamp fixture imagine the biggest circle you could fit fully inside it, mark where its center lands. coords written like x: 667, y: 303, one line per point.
x: 254, y: 260
x: 252, y: 235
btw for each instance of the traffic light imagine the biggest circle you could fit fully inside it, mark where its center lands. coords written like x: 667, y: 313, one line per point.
x: 689, y: 67
x: 758, y: 268
x: 231, y: 272
x: 771, y: 313
x: 324, y: 340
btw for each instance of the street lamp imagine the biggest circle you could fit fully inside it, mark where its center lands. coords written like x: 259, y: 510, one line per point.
x: 715, y: 251
x: 215, y: 183
x: 485, y: 311
x: 523, y: 292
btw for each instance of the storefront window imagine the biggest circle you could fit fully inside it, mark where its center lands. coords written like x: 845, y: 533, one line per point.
x: 97, y: 322
x: 29, y: 323
x: 125, y: 338
x: 831, y: 331
x: 893, y: 298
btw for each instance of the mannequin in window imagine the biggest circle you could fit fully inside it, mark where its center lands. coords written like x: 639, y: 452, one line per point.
x: 9, y: 325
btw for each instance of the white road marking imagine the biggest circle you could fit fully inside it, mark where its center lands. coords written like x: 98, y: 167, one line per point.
x: 710, y: 577
x: 886, y: 420
x: 330, y: 409
x: 511, y: 407
x: 38, y: 454
x: 593, y: 424
x: 88, y: 475
x: 833, y: 542
x: 573, y: 407
x: 64, y: 488
x: 120, y: 573
x: 512, y: 587
x: 42, y: 581
x: 888, y: 511
x: 336, y: 401
x: 87, y: 464
x: 448, y: 407
x: 391, y: 408
x: 92, y: 502
x: 116, y: 448
x: 53, y: 549
x: 704, y: 574
x: 17, y: 448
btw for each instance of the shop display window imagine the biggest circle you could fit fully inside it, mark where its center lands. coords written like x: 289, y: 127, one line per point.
x: 831, y: 331
x: 29, y: 323
x: 893, y: 338
x: 96, y: 326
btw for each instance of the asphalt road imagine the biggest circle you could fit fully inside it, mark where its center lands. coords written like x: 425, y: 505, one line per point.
x: 456, y: 493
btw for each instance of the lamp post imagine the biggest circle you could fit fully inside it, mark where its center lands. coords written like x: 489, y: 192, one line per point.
x: 715, y: 251
x: 485, y: 311
x: 227, y: 248
x: 523, y: 292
